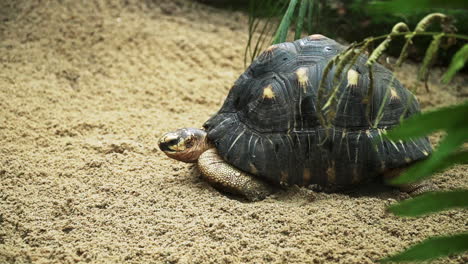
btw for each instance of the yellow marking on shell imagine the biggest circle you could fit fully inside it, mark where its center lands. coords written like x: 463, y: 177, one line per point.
x: 353, y: 78
x: 269, y: 52
x: 331, y: 173
x: 268, y: 92
x: 316, y: 37
x: 393, y: 94
x: 306, y: 176
x: 253, y: 169
x: 302, y: 78
x: 284, y: 178
x: 425, y: 153
x: 368, y: 133
x: 271, y: 48
x: 408, y: 160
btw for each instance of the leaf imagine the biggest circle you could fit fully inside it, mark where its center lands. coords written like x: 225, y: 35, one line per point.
x: 300, y: 19
x: 380, y: 113
x: 458, y: 62
x: 460, y: 157
x: 426, y: 123
x: 410, y: 7
x: 375, y: 55
x: 283, y: 28
x: 405, y: 50
x: 441, y: 159
x: 431, y: 203
x: 399, y: 27
x: 432, y: 248
x: 420, y: 27
x: 431, y: 54
x: 309, y: 16
x: 271, y: 9
x: 424, y: 23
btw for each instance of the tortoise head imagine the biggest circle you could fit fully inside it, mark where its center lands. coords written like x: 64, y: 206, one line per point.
x: 186, y: 144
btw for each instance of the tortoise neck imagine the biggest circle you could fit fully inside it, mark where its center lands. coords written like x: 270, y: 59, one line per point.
x: 203, y: 144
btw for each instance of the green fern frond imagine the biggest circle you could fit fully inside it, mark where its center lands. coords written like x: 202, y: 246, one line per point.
x: 300, y: 19
x: 429, y: 58
x: 399, y: 27
x: 458, y: 62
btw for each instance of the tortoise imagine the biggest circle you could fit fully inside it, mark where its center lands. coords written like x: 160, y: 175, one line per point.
x: 268, y: 132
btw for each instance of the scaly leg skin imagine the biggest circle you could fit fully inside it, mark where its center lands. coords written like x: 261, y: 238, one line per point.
x: 413, y: 189
x: 227, y: 178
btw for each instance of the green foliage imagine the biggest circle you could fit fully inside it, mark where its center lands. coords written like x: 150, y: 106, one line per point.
x: 267, y: 10
x: 301, y: 17
x: 409, y: 7
x: 384, y: 12
x: 450, y: 151
x: 292, y: 12
x: 458, y: 61
x: 432, y: 248
x: 430, y: 203
x: 452, y: 119
x: 400, y: 27
x: 432, y: 50
x: 429, y: 57
x: 351, y: 20
x: 283, y: 28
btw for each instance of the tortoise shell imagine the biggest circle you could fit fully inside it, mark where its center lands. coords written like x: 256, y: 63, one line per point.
x: 269, y: 125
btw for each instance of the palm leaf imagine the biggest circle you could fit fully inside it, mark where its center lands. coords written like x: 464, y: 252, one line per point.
x: 409, y: 7
x: 429, y: 58
x: 423, y: 124
x: 309, y: 16
x: 443, y: 157
x: 300, y: 18
x: 432, y: 248
x: 458, y: 62
x: 262, y: 19
x: 431, y: 203
x: 283, y: 28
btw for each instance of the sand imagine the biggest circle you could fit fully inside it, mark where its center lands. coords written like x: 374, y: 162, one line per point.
x: 87, y: 88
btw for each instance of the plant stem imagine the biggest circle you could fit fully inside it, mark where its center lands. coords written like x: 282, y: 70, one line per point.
x: 448, y: 35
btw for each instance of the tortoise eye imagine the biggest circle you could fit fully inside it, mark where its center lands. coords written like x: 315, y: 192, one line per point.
x: 327, y: 49
x: 189, y: 142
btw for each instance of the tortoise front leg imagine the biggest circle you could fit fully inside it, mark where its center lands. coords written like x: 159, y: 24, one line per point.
x: 413, y: 189
x: 227, y: 178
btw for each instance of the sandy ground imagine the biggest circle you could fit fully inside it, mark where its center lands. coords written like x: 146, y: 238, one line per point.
x: 87, y: 88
